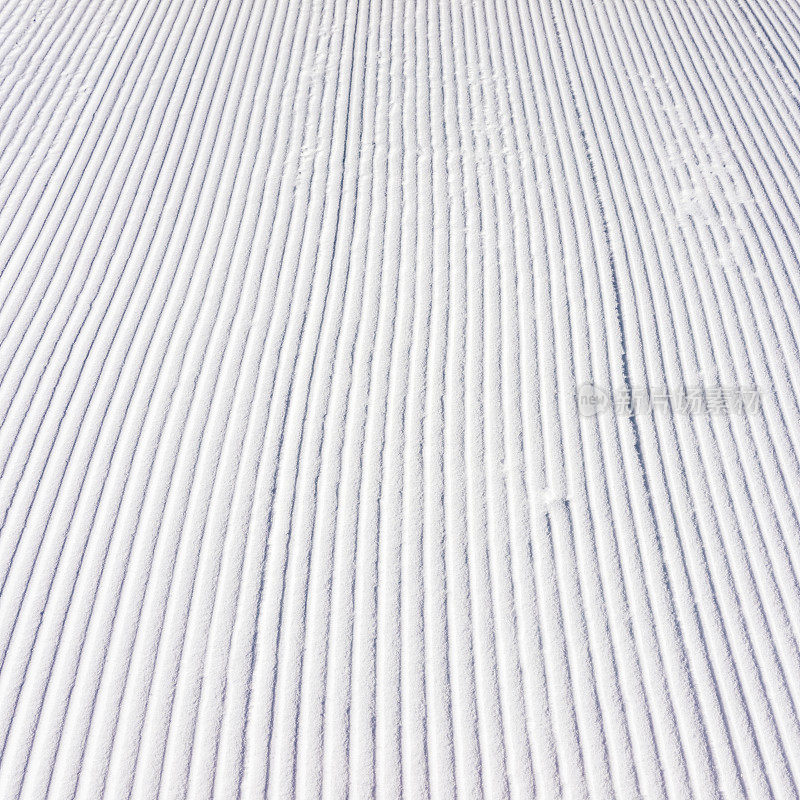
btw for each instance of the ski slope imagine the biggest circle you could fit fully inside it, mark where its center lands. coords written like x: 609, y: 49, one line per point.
x: 317, y: 473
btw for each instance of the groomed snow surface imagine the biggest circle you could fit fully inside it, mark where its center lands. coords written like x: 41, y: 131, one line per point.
x: 317, y: 472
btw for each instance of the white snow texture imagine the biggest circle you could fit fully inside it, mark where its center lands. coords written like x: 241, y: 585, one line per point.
x: 349, y: 359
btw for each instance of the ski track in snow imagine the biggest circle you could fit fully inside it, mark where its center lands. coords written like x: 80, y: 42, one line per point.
x: 296, y: 495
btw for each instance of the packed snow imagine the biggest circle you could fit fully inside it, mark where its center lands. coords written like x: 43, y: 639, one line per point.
x: 400, y: 399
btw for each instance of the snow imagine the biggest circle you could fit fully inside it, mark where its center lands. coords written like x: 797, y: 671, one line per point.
x: 346, y: 357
